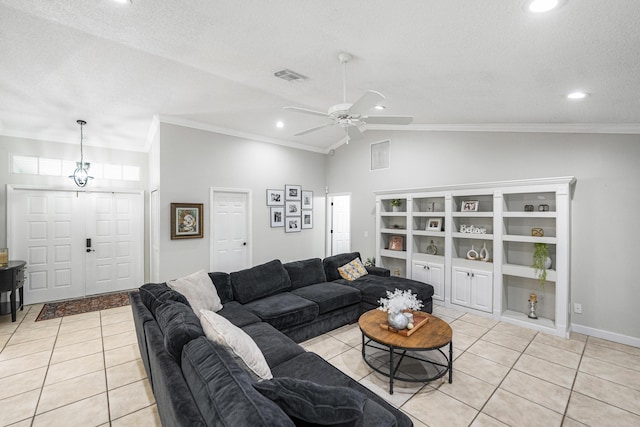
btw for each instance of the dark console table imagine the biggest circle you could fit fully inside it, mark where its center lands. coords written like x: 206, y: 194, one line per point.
x: 12, y: 280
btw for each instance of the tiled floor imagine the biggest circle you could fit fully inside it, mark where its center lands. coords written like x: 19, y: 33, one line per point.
x: 85, y: 370
x: 82, y: 370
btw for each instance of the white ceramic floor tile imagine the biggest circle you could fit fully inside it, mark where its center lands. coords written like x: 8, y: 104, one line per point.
x: 351, y: 363
x: 74, y: 368
x: 121, y: 355
x: 495, y: 352
x: 516, y: 411
x: 608, y: 392
x: 553, y: 354
x: 72, y: 390
x: 130, y: 398
x: 612, y: 355
x: 120, y: 340
x: 74, y: 351
x: 536, y: 390
x: 92, y: 411
x: 27, y: 348
x: 145, y: 417
x: 326, y: 346
x: 438, y: 409
x: 548, y: 371
x: 125, y: 373
x: 18, y: 407
x: 614, y: 373
x: 22, y: 382
x: 481, y: 368
x: 593, y: 412
x: 465, y: 388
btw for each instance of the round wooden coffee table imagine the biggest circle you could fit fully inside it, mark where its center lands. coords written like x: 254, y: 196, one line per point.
x: 432, y: 336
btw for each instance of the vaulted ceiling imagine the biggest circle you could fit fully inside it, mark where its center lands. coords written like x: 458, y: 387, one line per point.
x: 455, y: 64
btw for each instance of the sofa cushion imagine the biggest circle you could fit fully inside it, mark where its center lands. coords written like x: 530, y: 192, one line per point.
x: 222, y: 282
x: 283, y: 310
x: 275, y: 346
x: 312, y: 402
x: 223, y: 332
x: 154, y: 294
x: 223, y: 391
x: 332, y: 263
x: 352, y: 270
x: 375, y: 287
x: 329, y: 296
x: 179, y: 325
x: 199, y: 291
x: 311, y: 367
x: 260, y: 281
x: 235, y: 313
x: 306, y: 272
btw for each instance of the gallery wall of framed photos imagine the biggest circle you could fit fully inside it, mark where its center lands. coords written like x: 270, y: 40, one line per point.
x: 291, y: 208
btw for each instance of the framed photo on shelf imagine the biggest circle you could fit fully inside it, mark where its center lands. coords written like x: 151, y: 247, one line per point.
x: 292, y: 208
x: 469, y: 206
x: 396, y: 243
x: 275, y: 197
x: 293, y: 192
x: 307, y: 219
x: 292, y: 224
x: 277, y: 217
x: 307, y: 200
x: 186, y: 221
x: 434, y: 224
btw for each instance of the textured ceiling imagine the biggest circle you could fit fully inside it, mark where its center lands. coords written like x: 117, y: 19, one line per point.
x: 456, y: 64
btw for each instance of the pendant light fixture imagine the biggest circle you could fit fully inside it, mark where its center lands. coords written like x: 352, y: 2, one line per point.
x: 81, y: 174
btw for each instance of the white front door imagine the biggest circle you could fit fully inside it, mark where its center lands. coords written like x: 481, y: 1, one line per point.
x: 113, y: 253
x: 230, y: 230
x: 49, y: 229
x: 340, y: 227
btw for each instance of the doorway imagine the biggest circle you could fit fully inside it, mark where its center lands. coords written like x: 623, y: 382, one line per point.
x: 230, y: 230
x: 76, y: 243
x: 339, y: 224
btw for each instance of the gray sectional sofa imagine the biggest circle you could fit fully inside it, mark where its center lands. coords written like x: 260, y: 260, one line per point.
x: 197, y: 382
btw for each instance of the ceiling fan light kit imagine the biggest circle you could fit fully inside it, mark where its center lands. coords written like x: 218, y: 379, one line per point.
x: 352, y: 117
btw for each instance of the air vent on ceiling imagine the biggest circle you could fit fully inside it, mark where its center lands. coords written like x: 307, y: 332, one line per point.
x: 290, y: 76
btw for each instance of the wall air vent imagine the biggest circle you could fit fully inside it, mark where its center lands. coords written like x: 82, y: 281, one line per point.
x: 290, y: 76
x: 380, y: 155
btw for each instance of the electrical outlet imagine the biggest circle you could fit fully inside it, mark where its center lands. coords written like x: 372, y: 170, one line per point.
x: 577, y: 308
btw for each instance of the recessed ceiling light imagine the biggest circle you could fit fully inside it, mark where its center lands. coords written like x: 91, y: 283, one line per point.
x: 542, y: 6
x: 577, y: 95
x: 279, y: 124
x: 379, y: 107
x: 124, y: 1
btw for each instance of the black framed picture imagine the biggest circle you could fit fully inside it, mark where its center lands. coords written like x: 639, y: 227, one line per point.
x: 292, y: 224
x: 307, y: 219
x: 277, y: 217
x: 292, y: 208
x: 307, y: 200
x: 293, y: 192
x: 275, y: 197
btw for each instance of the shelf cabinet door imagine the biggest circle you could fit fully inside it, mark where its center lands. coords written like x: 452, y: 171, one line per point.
x: 430, y: 273
x: 482, y: 290
x: 461, y: 286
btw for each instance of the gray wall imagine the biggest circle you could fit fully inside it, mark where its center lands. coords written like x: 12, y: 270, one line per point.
x: 605, y: 205
x: 192, y: 161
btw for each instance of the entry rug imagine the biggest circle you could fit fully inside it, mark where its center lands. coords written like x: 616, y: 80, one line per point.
x: 53, y: 310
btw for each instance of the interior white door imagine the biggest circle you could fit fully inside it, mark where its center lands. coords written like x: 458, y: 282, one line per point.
x: 154, y: 236
x: 49, y: 230
x: 43, y: 231
x: 113, y: 246
x: 340, y: 224
x: 229, y: 224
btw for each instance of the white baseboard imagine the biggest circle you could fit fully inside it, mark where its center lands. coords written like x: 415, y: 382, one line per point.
x: 606, y: 335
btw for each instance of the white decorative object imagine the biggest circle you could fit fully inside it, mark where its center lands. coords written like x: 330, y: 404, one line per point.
x: 395, y: 303
x: 472, y: 254
x: 484, y: 253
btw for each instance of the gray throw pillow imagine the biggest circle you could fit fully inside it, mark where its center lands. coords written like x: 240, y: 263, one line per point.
x: 313, y: 403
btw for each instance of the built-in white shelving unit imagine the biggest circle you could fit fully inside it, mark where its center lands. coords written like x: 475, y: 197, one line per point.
x: 440, y: 228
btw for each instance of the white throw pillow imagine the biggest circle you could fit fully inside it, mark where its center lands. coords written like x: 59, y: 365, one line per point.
x: 199, y: 290
x: 218, y: 329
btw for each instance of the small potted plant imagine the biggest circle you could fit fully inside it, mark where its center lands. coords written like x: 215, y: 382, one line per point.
x: 370, y: 262
x: 395, y: 204
x: 395, y: 303
x: 541, y: 261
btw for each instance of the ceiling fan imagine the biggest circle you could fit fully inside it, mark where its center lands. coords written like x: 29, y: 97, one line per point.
x: 352, y: 116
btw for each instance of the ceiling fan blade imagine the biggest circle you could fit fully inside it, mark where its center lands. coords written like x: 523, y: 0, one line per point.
x: 354, y: 132
x: 307, y: 111
x: 387, y: 120
x: 304, y: 132
x: 366, y: 102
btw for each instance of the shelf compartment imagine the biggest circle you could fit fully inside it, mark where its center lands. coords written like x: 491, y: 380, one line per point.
x: 421, y: 257
x: 472, y: 236
x: 526, y: 272
x: 421, y: 242
x: 428, y: 233
x: 485, y: 203
x: 531, y: 215
x: 521, y: 226
x: 429, y: 214
x: 428, y: 205
x: 516, y: 291
x: 520, y: 319
x: 516, y: 202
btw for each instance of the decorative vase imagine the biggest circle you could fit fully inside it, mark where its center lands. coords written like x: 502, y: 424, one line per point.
x: 548, y: 263
x: 397, y: 320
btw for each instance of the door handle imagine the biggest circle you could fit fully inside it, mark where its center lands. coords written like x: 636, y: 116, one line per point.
x: 244, y: 244
x: 89, y: 246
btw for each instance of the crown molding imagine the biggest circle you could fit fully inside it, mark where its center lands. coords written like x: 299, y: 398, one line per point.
x: 611, y: 128
x: 239, y: 134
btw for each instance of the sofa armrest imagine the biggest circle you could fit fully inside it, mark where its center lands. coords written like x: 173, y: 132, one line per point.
x: 378, y: 271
